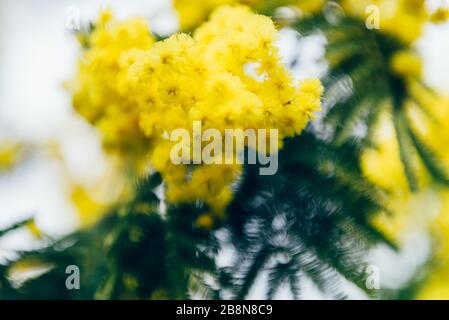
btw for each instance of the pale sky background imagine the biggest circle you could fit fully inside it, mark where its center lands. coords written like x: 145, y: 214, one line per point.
x: 38, y: 53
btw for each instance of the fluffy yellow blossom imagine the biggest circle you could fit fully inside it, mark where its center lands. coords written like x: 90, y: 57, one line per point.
x: 228, y: 75
x: 96, y: 89
x: 205, y: 78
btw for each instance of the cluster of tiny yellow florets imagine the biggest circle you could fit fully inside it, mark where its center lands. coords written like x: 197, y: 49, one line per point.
x: 228, y: 75
x: 96, y: 89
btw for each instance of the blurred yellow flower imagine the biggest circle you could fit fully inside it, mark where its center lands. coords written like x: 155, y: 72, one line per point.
x: 429, y: 208
x: 382, y: 166
x: 206, y: 78
x: 433, y: 128
x: 436, y: 285
x: 94, y: 199
x: 407, y: 64
x: 10, y: 154
x: 431, y: 121
x: 404, y: 19
x: 440, y: 15
x: 89, y: 210
x: 96, y: 88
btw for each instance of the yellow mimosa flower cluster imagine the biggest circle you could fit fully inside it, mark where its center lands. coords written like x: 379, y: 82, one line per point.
x: 96, y: 89
x: 227, y: 75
